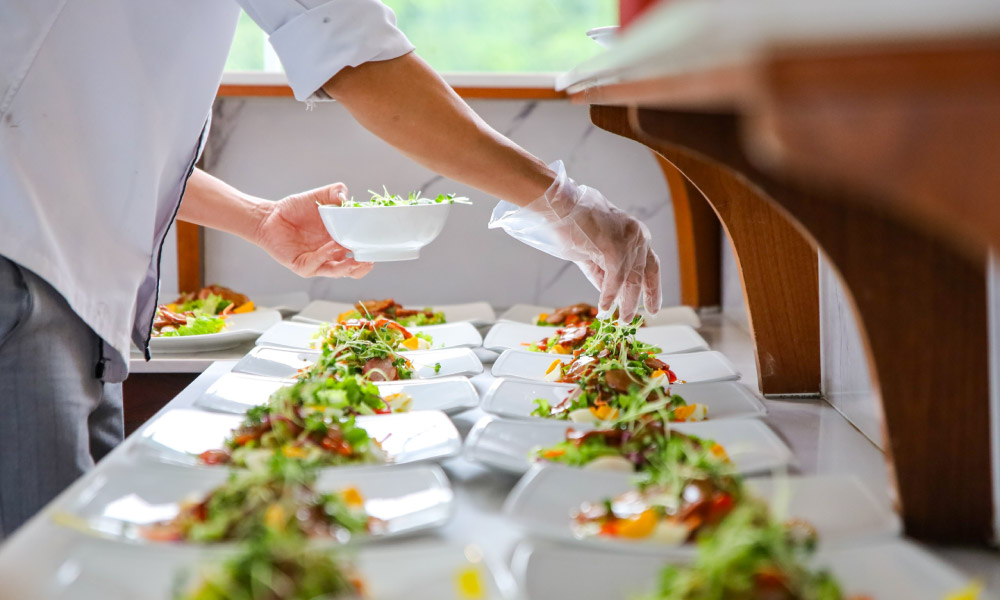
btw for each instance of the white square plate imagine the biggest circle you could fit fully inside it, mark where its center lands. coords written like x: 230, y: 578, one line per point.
x: 179, y: 436
x: 669, y: 339
x: 515, y: 398
x: 671, y: 315
x: 122, y: 499
x: 302, y: 336
x: 839, y: 507
x: 325, y: 311
x: 691, y: 368
x: 285, y: 363
x: 507, y: 444
x: 236, y: 393
x: 239, y: 329
x: 95, y: 569
x: 882, y: 570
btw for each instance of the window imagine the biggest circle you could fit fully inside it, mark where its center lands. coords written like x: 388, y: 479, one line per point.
x: 472, y: 35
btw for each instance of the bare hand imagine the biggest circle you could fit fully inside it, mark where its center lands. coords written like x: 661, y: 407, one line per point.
x: 293, y: 234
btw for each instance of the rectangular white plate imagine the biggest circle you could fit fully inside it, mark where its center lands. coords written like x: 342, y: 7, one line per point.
x: 302, y: 336
x: 670, y: 315
x: 515, y: 398
x: 239, y: 329
x: 669, y: 339
x: 285, y: 363
x: 236, y: 392
x: 179, y: 436
x: 325, y: 311
x: 124, y: 498
x: 839, y: 507
x: 695, y: 367
x: 507, y: 444
x: 95, y: 569
x: 882, y: 570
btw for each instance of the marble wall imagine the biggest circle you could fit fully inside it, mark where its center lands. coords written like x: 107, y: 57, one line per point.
x: 272, y: 147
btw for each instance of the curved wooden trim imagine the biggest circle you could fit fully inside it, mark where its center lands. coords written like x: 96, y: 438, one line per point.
x: 921, y: 305
x: 486, y: 93
x: 778, y: 267
x: 699, y: 240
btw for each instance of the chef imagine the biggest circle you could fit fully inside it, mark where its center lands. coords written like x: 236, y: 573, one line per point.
x: 104, y: 110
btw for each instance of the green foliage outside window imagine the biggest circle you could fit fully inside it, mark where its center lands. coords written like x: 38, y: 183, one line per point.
x: 476, y: 35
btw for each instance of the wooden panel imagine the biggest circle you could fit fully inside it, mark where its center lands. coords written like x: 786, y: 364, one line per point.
x: 778, y: 267
x: 189, y: 262
x: 143, y: 394
x: 921, y: 305
x: 498, y: 93
x: 699, y: 240
x: 915, y: 124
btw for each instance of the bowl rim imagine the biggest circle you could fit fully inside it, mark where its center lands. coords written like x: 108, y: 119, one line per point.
x: 339, y: 207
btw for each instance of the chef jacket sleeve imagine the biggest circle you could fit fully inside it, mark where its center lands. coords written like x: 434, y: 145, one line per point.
x: 315, y: 39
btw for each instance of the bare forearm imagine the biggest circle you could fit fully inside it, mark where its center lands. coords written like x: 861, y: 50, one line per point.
x: 211, y: 202
x: 404, y: 102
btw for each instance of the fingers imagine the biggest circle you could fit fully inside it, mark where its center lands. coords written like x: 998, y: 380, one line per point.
x: 335, y: 193
x: 330, y: 260
x: 614, y: 279
x: 594, y: 273
x: 631, y: 292
x: 652, y: 293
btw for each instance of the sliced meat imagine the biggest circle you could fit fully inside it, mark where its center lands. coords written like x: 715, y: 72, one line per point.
x: 618, y: 380
x: 380, y: 369
x: 571, y: 337
x: 168, y: 317
x: 655, y: 363
x: 386, y: 308
x: 586, y: 312
x: 578, y: 368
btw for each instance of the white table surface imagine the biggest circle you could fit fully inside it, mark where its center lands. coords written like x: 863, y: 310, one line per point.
x: 823, y: 442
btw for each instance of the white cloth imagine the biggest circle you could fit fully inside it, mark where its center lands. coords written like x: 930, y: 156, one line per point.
x: 103, y: 105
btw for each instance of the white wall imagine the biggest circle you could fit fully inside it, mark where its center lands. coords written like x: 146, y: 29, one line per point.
x: 274, y: 147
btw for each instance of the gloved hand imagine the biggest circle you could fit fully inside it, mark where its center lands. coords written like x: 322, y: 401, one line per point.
x: 577, y: 223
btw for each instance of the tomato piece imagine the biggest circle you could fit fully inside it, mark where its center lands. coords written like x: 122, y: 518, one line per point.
x: 214, y: 457
x: 609, y: 528
x: 244, y: 438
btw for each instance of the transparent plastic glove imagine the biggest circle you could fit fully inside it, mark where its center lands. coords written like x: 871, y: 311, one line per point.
x: 577, y: 223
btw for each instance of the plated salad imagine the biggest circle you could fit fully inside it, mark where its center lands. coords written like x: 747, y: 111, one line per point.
x: 749, y: 556
x: 608, y: 392
x: 199, y: 313
x: 616, y: 377
x: 352, y: 395
x: 390, y: 309
x: 277, y: 569
x: 612, y: 346
x: 279, y: 500
x: 643, y: 445
x: 413, y: 199
x: 313, y: 434
x: 366, y: 347
x: 685, y: 491
x: 594, y: 337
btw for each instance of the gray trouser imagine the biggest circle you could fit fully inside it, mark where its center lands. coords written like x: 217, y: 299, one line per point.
x: 57, y: 418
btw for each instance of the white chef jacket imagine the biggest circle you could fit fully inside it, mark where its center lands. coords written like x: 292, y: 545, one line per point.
x: 103, y: 111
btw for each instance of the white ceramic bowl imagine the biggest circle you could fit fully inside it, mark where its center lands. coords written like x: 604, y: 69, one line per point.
x: 604, y: 36
x: 385, y: 233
